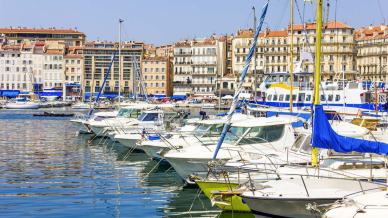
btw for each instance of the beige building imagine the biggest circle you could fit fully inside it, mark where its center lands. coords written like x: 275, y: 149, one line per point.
x: 70, y: 37
x: 156, y: 72
x: 97, y: 57
x: 73, y: 71
x: 372, y: 52
x: 273, y: 51
x: 198, y: 65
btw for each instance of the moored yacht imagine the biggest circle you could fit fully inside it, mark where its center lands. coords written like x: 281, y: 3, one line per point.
x: 245, y: 139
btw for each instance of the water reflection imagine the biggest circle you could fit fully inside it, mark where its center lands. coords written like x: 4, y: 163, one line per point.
x: 47, y: 170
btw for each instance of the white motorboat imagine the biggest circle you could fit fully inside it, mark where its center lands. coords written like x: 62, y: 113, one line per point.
x: 201, y: 132
x: 82, y: 105
x: 245, y: 139
x: 125, y: 115
x: 22, y: 105
x: 368, y: 205
x: 81, y: 121
x: 297, y: 196
x: 148, y: 122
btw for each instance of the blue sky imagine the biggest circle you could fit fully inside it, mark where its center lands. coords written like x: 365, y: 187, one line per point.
x: 166, y: 21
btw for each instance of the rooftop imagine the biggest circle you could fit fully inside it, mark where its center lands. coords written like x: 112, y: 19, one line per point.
x: 40, y: 30
x: 372, y: 32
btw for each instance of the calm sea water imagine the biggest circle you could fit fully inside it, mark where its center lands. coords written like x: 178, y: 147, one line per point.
x: 46, y: 170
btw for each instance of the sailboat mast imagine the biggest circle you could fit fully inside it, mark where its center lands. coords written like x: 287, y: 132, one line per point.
x: 291, y: 52
x: 317, y: 75
x: 120, y: 21
x: 254, y: 57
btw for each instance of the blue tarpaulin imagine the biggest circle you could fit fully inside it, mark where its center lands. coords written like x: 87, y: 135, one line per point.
x: 325, y: 137
x: 179, y: 97
x: 51, y: 93
x: 9, y: 93
x: 103, y: 95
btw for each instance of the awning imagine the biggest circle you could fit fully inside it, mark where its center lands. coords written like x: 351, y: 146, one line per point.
x: 103, y: 95
x: 9, y: 93
x: 52, y: 93
x: 179, y: 97
x: 73, y: 85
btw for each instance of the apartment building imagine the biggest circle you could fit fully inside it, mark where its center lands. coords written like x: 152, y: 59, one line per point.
x: 198, y: 64
x: 338, y: 49
x: 97, y: 58
x: 15, y: 68
x: 18, y: 35
x: 204, y: 66
x: 53, y: 69
x: 182, y: 67
x: 372, y: 52
x: 273, y: 51
x: 73, y: 71
x: 156, y: 72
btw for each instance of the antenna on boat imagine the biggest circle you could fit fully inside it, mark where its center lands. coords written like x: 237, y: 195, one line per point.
x: 291, y: 52
x: 254, y: 57
x: 120, y: 22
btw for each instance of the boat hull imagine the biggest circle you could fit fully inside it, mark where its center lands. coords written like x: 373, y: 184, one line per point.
x: 282, y: 207
x: 80, y: 125
x: 21, y: 106
x: 232, y: 202
x: 129, y: 141
x: 188, y: 167
x: 153, y: 151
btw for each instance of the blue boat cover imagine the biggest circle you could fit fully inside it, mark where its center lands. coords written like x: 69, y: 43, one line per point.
x: 9, y: 93
x: 179, y: 97
x: 325, y: 137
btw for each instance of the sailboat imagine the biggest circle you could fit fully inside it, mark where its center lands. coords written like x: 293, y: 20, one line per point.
x: 299, y: 196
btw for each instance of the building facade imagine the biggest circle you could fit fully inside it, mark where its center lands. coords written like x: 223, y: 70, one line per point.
x: 19, y: 35
x: 198, y: 65
x: 73, y: 72
x: 372, y: 52
x: 273, y: 51
x: 182, y: 67
x: 156, y: 76
x: 97, y: 58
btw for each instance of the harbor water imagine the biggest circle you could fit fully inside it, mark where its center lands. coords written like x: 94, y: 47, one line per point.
x: 47, y: 170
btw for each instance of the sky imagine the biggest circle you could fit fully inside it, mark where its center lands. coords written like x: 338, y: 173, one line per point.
x: 167, y: 21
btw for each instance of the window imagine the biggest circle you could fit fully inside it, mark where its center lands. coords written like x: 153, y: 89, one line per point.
x: 281, y: 97
x: 269, y: 98
x: 294, y: 97
x: 275, y: 97
x: 148, y: 117
x: 330, y: 97
x: 301, y: 97
x: 337, y: 97
x: 323, y: 98
x: 308, y: 98
x: 287, y: 97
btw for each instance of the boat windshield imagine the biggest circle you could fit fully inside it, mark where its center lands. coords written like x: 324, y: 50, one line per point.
x: 302, y: 144
x: 148, y: 117
x: 128, y: 113
x: 262, y: 134
x: 209, y: 129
